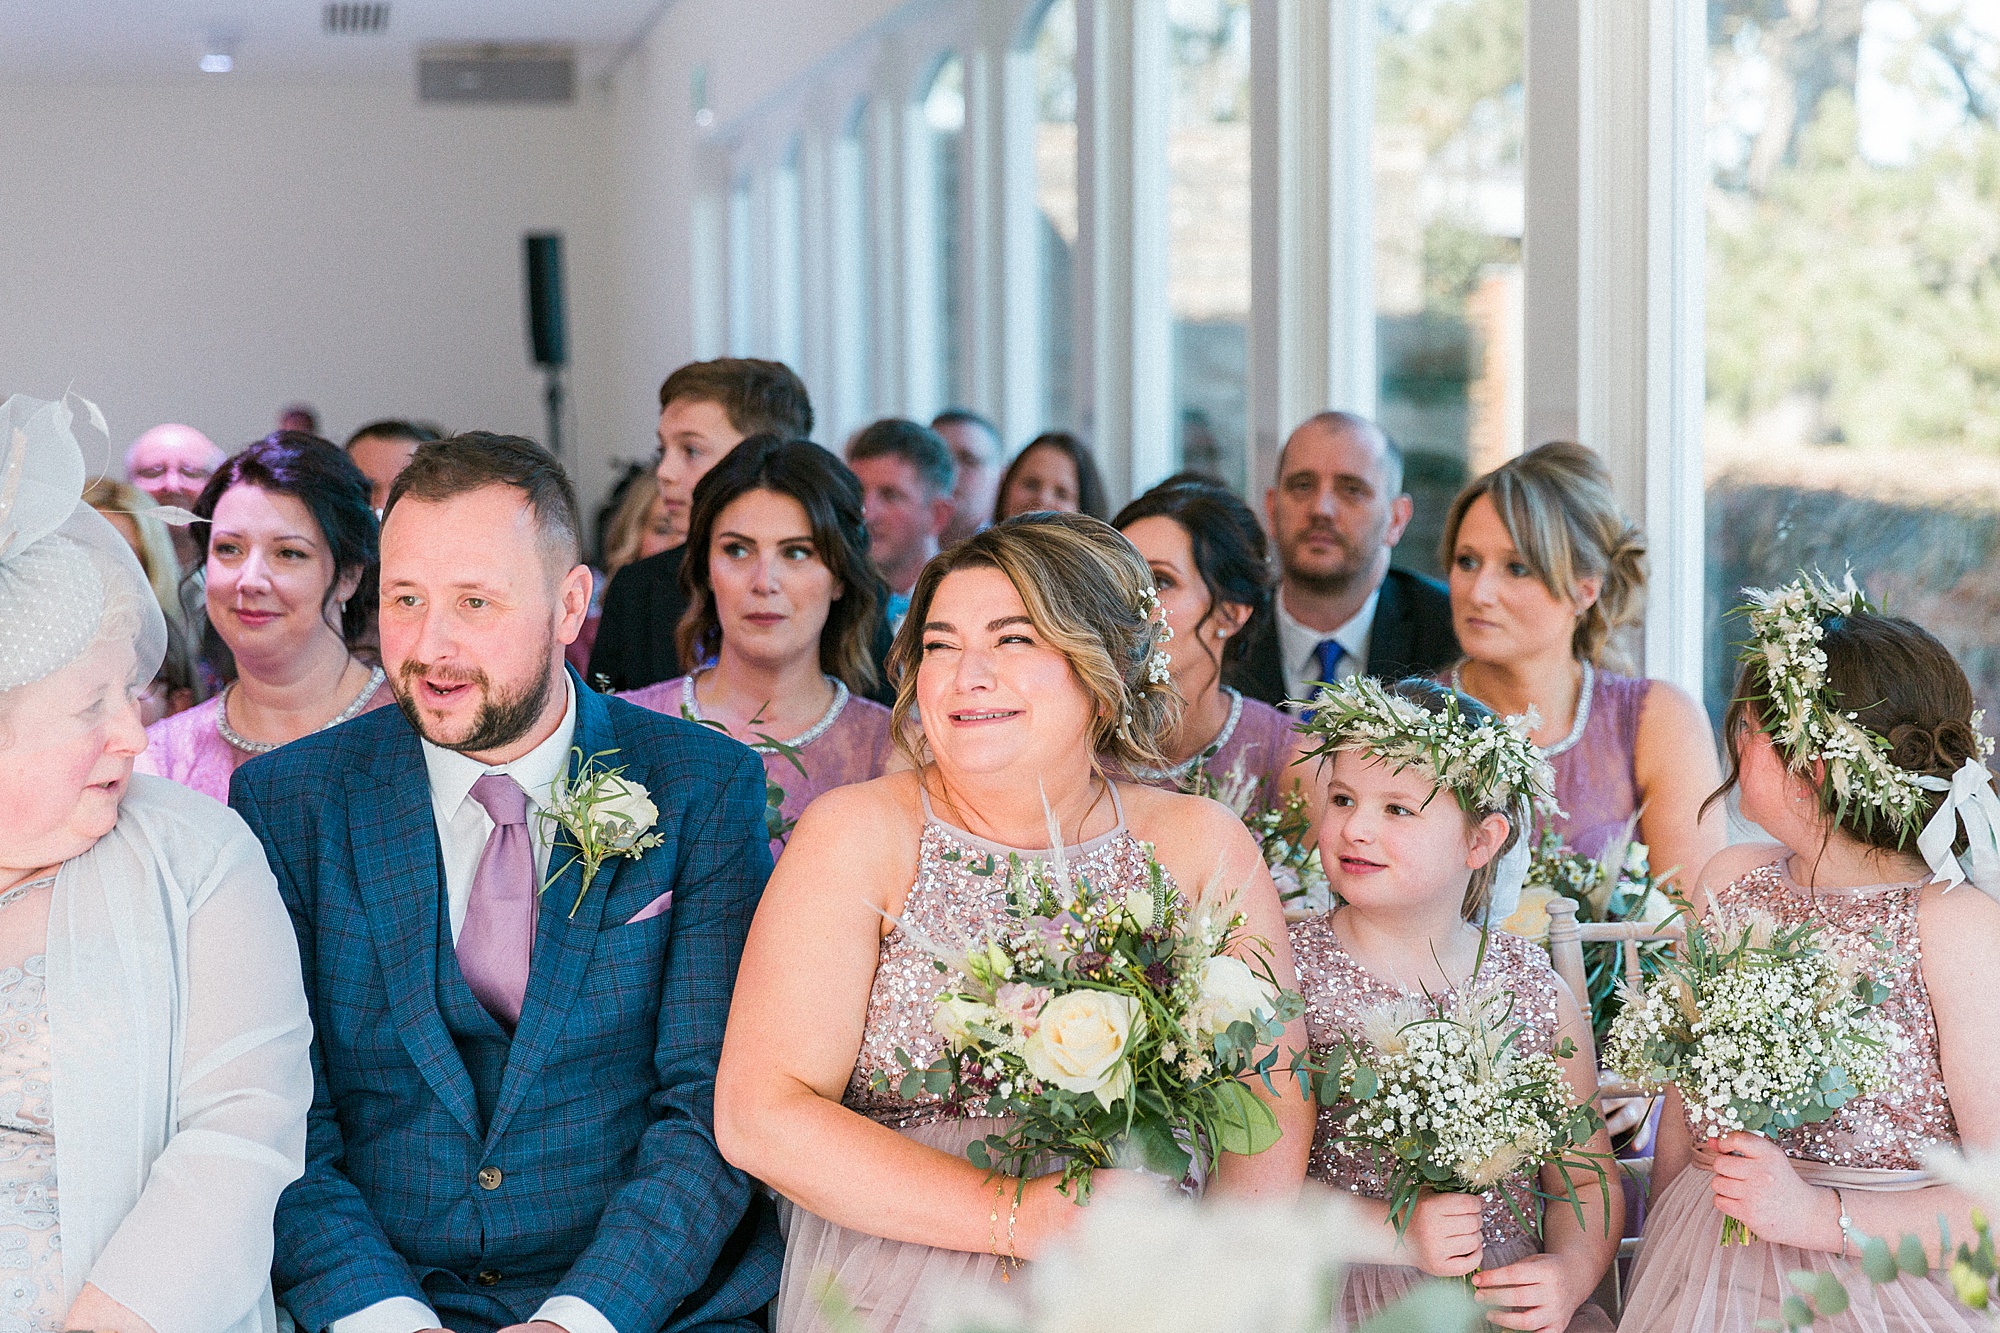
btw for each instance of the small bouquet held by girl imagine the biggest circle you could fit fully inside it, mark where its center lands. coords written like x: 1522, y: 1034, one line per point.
x: 1445, y: 1093
x: 1763, y: 1026
x: 1114, y: 1028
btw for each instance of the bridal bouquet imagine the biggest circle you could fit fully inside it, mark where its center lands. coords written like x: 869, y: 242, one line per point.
x: 1283, y: 831
x: 1763, y: 1027
x: 1447, y: 1100
x: 1111, y: 1025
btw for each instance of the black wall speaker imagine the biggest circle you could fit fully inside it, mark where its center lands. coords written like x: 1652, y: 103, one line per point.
x: 548, y: 330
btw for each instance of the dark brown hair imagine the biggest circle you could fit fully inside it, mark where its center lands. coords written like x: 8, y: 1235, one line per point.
x: 1091, y: 497
x: 442, y: 469
x: 1230, y: 554
x: 758, y: 397
x: 319, y: 475
x: 1900, y: 683
x: 831, y: 496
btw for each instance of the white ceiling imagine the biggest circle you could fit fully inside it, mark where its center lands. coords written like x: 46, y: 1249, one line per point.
x: 116, y: 39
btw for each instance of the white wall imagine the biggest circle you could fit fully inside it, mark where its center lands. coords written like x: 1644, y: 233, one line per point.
x: 208, y: 249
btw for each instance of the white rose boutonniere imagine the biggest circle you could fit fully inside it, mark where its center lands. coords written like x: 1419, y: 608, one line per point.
x: 605, y: 815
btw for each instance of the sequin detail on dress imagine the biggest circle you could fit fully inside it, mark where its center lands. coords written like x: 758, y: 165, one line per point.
x: 1340, y: 994
x: 1893, y: 1129
x: 952, y: 904
x: 31, y: 1279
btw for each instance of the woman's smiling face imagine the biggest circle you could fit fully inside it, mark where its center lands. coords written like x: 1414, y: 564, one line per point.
x: 995, y: 697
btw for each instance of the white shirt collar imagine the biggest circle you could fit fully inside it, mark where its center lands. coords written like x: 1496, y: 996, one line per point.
x: 452, y: 774
x: 1300, y: 642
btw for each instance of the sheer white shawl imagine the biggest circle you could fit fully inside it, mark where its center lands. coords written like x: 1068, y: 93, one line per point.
x: 181, y: 1079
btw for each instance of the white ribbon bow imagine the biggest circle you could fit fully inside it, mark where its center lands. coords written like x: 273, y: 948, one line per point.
x: 1972, y: 803
x: 1512, y: 871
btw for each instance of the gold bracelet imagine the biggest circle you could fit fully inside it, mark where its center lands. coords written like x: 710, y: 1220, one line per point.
x: 1013, y: 1212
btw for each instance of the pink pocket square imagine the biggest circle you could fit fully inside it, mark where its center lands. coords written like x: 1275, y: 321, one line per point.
x: 653, y: 908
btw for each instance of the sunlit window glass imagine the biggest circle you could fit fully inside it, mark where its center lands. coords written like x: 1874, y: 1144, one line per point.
x: 1055, y: 209
x: 1450, y: 118
x: 944, y: 115
x: 1853, y: 333
x: 1208, y: 198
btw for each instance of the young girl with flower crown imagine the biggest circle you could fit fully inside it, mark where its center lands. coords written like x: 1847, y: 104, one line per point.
x: 1853, y: 742
x: 1414, y: 876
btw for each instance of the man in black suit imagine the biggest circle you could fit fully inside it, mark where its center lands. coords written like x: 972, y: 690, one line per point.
x: 1336, y: 512
x: 707, y: 408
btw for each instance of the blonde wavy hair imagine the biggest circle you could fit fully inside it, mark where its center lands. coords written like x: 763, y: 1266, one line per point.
x: 1559, y: 510
x: 1088, y: 592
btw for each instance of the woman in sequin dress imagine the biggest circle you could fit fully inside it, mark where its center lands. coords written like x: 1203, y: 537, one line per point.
x: 1851, y: 881
x: 290, y: 572
x: 784, y: 601
x: 1413, y: 874
x: 1208, y: 558
x: 154, y: 1036
x: 1545, y: 571
x: 1020, y: 640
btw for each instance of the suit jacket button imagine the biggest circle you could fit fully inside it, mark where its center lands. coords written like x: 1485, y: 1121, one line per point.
x: 489, y: 1177
x: 486, y: 1277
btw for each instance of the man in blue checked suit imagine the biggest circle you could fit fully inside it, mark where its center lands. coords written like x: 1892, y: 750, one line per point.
x: 512, y: 1126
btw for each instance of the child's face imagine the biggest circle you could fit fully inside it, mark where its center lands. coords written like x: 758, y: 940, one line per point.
x: 1387, y: 842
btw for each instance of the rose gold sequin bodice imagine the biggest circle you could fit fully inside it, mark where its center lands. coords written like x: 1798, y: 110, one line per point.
x: 953, y: 904
x: 1892, y: 1129
x: 1340, y: 994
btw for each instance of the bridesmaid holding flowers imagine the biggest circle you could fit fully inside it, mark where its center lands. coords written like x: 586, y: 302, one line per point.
x: 1415, y: 865
x: 1854, y: 742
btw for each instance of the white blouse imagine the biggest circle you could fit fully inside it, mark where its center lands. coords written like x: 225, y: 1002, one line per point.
x: 181, y: 1041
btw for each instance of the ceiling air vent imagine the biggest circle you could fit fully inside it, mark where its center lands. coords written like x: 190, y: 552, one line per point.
x: 341, y: 20
x: 497, y: 72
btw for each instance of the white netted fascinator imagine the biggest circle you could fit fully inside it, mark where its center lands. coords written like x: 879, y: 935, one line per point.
x: 66, y: 576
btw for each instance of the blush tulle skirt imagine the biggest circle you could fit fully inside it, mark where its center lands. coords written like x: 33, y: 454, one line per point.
x: 1686, y: 1281
x: 882, y: 1286
x: 1372, y: 1288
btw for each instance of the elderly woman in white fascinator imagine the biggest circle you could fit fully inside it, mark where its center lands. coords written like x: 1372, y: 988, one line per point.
x: 154, y: 1069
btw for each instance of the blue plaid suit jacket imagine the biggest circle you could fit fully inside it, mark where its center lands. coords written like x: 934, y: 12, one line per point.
x: 611, y: 1187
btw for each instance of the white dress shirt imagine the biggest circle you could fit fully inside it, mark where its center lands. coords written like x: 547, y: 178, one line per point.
x: 463, y: 827
x: 1299, y: 646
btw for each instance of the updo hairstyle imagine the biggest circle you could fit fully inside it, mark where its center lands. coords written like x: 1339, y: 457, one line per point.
x: 1900, y: 683
x: 1559, y: 509
x: 1086, y: 590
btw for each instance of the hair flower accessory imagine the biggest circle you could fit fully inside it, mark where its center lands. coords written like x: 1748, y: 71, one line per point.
x: 1159, y: 666
x: 1787, y: 627
x: 604, y: 814
x: 1490, y: 764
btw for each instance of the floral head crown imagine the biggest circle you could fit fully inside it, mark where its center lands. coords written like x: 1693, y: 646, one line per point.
x: 1787, y: 626
x: 1488, y: 764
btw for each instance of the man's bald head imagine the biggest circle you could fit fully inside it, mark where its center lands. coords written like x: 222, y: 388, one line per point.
x: 1361, y: 431
x: 172, y: 463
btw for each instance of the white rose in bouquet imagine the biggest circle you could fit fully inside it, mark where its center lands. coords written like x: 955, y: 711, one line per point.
x: 1229, y: 992
x: 1081, y: 1043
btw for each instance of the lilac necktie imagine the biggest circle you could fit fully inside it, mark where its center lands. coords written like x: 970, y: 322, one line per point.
x: 498, y: 935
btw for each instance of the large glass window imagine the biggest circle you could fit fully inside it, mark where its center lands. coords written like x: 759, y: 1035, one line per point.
x: 742, y: 300
x: 852, y: 266
x: 1853, y: 325
x: 944, y: 115
x: 1208, y: 244
x: 1056, y: 211
x: 1450, y: 117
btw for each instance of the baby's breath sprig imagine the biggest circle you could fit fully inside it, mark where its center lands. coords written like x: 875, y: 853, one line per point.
x: 1488, y: 765
x: 1785, y: 654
